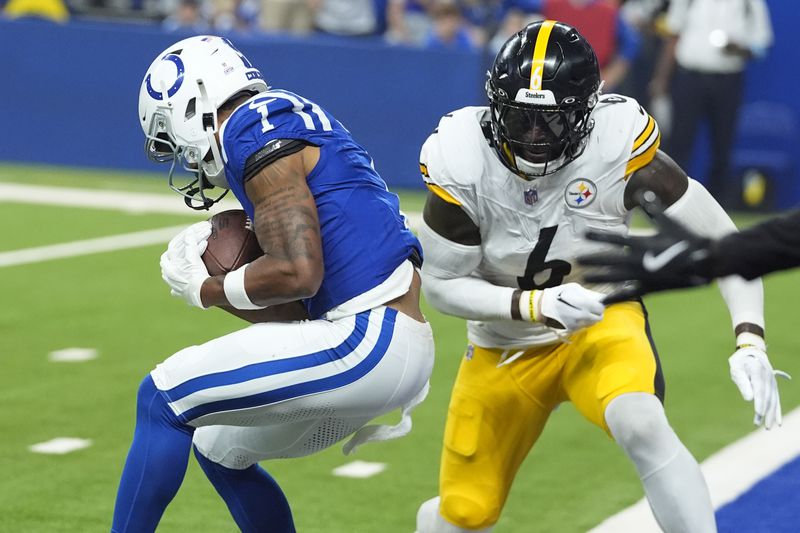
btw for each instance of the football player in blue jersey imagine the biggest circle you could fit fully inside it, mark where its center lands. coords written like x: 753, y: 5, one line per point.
x: 333, y: 238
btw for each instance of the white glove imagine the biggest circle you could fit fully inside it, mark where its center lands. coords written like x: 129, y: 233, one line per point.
x: 752, y: 373
x: 568, y: 306
x: 182, y: 266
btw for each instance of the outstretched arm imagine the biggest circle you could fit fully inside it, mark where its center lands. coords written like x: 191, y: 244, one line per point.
x: 689, y: 202
x: 750, y: 368
x: 770, y: 246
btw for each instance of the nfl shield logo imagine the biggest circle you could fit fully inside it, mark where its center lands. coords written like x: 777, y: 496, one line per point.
x: 531, y: 196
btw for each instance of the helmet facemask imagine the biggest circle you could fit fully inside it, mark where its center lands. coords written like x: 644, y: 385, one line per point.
x: 538, y: 140
x: 195, y: 167
x: 542, y: 87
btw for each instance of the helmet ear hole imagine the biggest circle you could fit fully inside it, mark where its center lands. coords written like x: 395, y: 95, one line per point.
x: 190, y: 108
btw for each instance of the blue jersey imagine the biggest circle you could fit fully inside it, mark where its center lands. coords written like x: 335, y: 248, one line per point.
x: 364, y: 236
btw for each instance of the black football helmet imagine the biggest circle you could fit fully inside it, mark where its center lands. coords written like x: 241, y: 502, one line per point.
x: 542, y: 87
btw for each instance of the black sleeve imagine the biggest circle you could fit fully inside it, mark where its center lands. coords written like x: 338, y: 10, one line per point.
x: 272, y: 151
x: 769, y: 246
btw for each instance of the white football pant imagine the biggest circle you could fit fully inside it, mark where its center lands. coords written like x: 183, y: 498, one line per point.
x: 290, y: 389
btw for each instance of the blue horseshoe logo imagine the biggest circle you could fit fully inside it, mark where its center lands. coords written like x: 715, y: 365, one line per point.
x: 175, y: 86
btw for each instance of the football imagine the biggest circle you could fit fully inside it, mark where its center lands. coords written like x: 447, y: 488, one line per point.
x: 232, y: 242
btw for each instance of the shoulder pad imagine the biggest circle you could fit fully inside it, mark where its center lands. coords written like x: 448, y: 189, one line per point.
x: 624, y: 130
x: 450, y: 159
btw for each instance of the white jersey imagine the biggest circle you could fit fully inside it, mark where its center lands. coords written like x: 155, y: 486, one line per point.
x: 532, y: 231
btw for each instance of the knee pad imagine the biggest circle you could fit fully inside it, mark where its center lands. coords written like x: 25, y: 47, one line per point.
x: 430, y: 519
x: 639, y: 425
x: 218, y: 445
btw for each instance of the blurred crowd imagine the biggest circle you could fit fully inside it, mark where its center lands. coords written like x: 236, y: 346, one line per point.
x: 626, y: 34
x: 622, y: 31
x: 683, y: 59
x: 452, y: 24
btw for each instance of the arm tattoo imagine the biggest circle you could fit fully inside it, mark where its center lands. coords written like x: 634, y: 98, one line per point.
x: 286, y: 226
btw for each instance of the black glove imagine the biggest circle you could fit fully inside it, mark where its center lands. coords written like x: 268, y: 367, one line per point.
x: 672, y: 258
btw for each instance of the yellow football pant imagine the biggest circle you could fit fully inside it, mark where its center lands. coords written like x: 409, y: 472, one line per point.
x: 497, y: 413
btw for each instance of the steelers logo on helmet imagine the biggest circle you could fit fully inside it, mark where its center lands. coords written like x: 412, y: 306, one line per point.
x: 542, y: 88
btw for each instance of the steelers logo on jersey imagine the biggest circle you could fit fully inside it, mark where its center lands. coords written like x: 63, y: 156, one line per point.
x: 580, y: 193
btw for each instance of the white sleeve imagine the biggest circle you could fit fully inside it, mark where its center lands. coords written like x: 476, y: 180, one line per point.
x: 701, y: 213
x: 677, y: 13
x: 448, y: 285
x: 760, y: 35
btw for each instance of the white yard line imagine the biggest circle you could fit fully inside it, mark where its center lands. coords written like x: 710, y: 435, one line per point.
x: 729, y: 473
x: 88, y: 246
x: 72, y: 355
x: 359, y: 469
x: 114, y: 200
x: 60, y: 446
x: 132, y: 202
x: 136, y: 202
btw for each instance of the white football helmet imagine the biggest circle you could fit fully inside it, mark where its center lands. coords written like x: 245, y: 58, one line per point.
x: 178, y: 102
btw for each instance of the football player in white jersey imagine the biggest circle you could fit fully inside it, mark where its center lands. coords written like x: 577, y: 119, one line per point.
x: 513, y: 188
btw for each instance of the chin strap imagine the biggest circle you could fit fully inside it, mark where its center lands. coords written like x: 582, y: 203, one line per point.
x: 209, y: 121
x: 192, y: 195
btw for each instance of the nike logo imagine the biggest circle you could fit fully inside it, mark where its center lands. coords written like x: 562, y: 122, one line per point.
x: 652, y: 263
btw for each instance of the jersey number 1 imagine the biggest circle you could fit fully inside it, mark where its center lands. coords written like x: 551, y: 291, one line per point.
x: 537, y: 263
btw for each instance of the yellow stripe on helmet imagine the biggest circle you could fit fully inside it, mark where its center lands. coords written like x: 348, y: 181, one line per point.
x: 539, y: 51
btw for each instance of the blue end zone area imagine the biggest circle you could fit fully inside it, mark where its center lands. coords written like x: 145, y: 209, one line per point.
x: 771, y: 506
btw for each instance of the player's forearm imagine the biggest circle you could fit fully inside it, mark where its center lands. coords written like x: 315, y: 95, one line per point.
x: 468, y: 297
x: 745, y: 302
x: 264, y: 282
x: 450, y: 287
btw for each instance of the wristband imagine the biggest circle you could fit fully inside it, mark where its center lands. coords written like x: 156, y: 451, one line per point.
x: 750, y: 340
x: 527, y: 305
x: 233, y: 285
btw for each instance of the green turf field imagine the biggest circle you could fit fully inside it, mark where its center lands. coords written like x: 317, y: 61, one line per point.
x: 117, y: 303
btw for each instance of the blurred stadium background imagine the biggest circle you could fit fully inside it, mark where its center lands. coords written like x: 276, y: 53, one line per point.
x: 83, y: 212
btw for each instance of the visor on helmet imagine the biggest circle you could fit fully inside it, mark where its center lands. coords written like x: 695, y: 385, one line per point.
x: 542, y: 139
